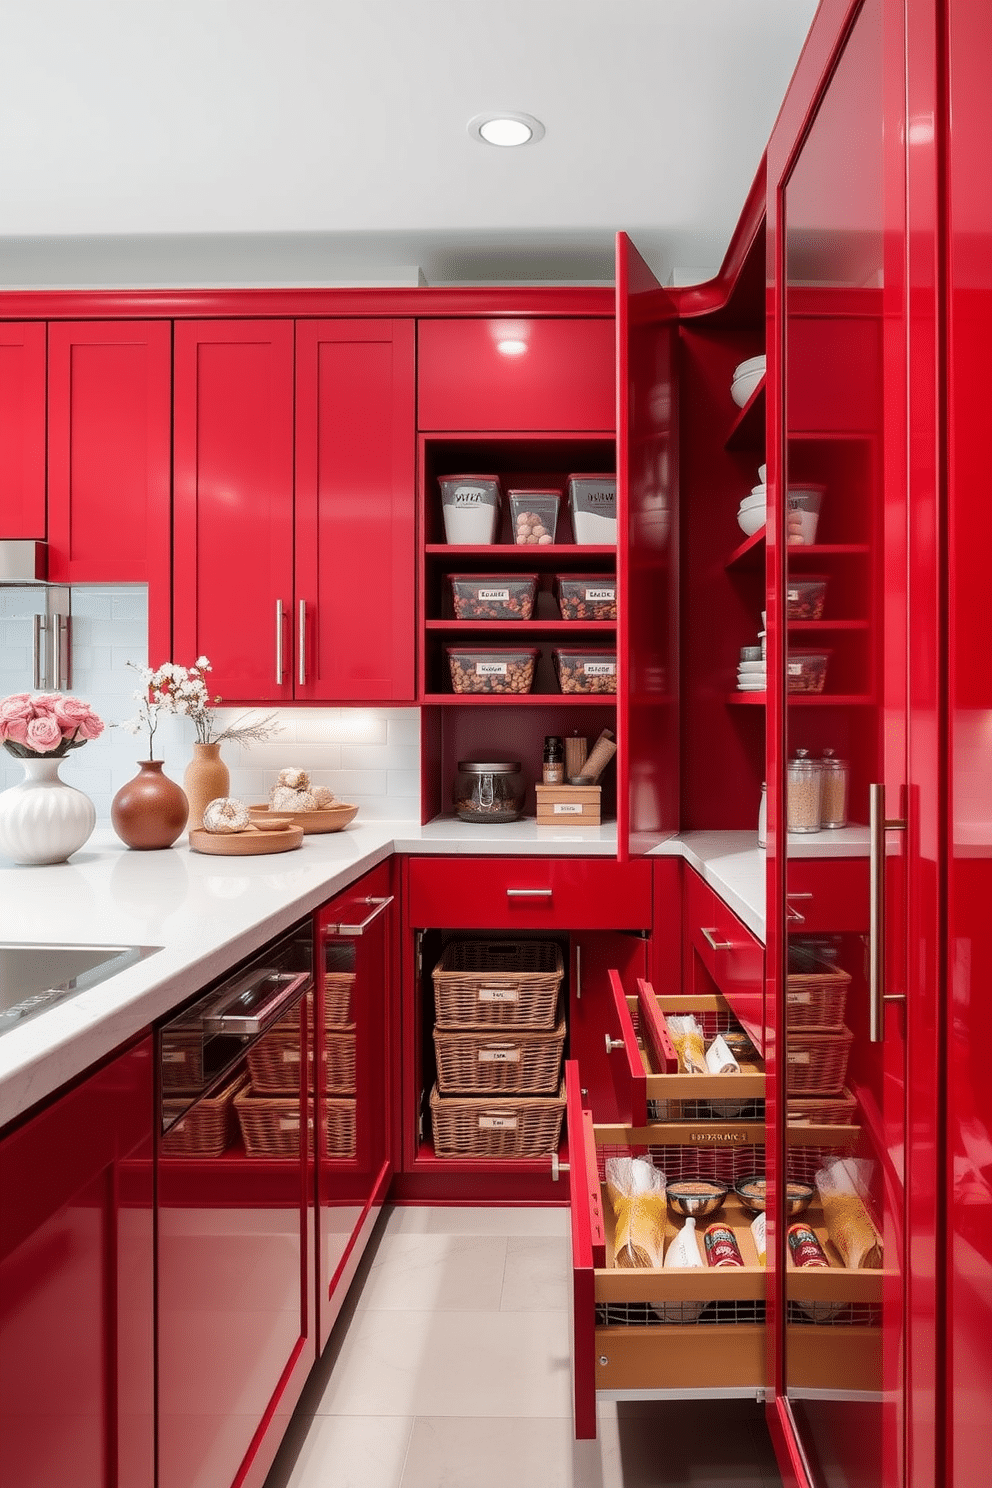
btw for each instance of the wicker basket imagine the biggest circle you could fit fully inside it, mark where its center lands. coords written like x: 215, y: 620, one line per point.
x: 498, y: 983
x: 274, y: 1062
x: 523, y: 1063
x: 182, y: 1059
x: 816, y: 1061
x: 815, y: 992
x: 270, y: 1124
x: 837, y: 1110
x: 339, y: 1128
x: 496, y: 1126
x: 208, y: 1128
x: 337, y: 997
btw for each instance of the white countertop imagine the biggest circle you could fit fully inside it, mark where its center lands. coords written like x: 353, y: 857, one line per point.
x: 208, y: 912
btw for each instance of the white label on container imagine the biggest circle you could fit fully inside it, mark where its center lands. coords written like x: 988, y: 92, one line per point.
x: 797, y: 999
x: 607, y: 594
x: 290, y: 1056
x: 792, y: 594
x: 795, y: 668
x: 289, y: 1123
x: 497, y: 994
x: 491, y: 668
x: 794, y: 1057
x: 471, y: 496
x: 497, y: 1123
x: 499, y: 1056
x: 498, y: 596
x: 175, y: 1056
x: 567, y: 808
x: 600, y: 668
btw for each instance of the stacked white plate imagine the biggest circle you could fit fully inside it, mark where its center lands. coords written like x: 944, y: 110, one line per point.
x: 751, y: 512
x: 747, y: 376
x: 751, y: 676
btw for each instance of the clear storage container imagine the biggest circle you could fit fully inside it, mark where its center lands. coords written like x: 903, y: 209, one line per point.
x: 834, y: 776
x: 806, y: 671
x: 586, y: 596
x: 493, y: 596
x: 488, y: 792
x: 806, y: 597
x: 803, y: 792
x: 585, y: 669
x: 492, y: 669
x: 534, y: 517
x: 470, y: 507
x: 592, y: 500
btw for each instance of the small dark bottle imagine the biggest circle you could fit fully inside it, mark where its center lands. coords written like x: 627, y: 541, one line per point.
x: 554, y: 760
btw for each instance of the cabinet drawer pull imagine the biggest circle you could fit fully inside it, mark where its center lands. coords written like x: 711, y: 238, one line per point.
x: 303, y: 643
x: 529, y: 893
x: 279, y: 667
x: 612, y: 1044
x: 380, y: 905
x: 878, y: 825
x: 715, y: 945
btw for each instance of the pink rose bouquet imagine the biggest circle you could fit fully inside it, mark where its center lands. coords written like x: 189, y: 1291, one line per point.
x: 47, y: 723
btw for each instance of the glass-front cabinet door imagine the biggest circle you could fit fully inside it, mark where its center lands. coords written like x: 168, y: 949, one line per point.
x: 839, y: 627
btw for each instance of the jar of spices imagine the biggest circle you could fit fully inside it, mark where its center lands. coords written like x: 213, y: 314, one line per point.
x: 803, y: 792
x: 489, y: 792
x: 554, y: 760
x: 834, y: 777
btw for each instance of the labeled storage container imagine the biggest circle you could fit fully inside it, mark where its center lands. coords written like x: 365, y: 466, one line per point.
x: 498, y: 983
x: 492, y: 669
x: 585, y: 669
x: 274, y: 1062
x: 803, y: 514
x: 592, y: 501
x: 815, y: 991
x: 518, y: 1061
x: 816, y: 1060
x: 806, y: 671
x: 493, y: 596
x: 534, y: 517
x: 586, y: 596
x: 470, y: 505
x: 488, y: 791
x: 806, y: 597
x: 496, y: 1126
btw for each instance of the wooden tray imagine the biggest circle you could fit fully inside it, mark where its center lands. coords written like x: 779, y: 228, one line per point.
x: 331, y: 820
x: 246, y: 843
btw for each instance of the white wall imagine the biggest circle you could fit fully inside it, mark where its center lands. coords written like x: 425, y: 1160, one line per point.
x: 369, y: 756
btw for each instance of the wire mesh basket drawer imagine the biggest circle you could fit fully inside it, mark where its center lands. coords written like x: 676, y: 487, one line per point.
x: 499, y: 983
x: 520, y: 1062
x: 501, y: 1126
x: 208, y: 1128
x: 274, y: 1062
x: 815, y: 992
x: 816, y: 1061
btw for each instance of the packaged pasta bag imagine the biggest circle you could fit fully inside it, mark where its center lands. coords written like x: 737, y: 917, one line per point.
x: 853, y: 1235
x: 687, y: 1036
x: 636, y: 1191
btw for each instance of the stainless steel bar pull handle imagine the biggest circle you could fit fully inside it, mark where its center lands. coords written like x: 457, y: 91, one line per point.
x: 529, y: 893
x: 302, y: 643
x: 61, y: 652
x: 279, y: 666
x: 40, y: 673
x: 877, y: 996
x: 715, y: 945
x: 380, y: 905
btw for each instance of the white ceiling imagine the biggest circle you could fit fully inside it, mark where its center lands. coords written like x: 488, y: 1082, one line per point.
x: 318, y: 141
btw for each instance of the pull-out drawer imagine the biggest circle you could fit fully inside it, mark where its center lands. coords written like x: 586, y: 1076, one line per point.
x: 732, y: 957
x: 529, y: 893
x: 827, y: 895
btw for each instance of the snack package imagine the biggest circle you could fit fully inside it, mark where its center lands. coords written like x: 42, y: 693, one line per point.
x: 720, y: 1059
x: 840, y: 1185
x: 636, y: 1191
x: 687, y: 1036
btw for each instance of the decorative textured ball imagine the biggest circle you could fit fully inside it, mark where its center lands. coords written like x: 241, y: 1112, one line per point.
x: 225, y: 814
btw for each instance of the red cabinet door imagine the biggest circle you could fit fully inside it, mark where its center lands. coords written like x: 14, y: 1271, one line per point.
x: 77, y: 1286
x: 516, y: 374
x: 233, y: 526
x: 22, y: 429
x: 721, y: 952
x: 109, y: 432
x: 354, y: 615
x: 529, y: 893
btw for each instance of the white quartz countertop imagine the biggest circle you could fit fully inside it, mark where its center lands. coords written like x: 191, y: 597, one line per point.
x: 208, y: 912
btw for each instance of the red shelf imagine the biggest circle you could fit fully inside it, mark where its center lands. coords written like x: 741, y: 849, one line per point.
x: 750, y: 554
x: 805, y: 626
x: 563, y: 628
x: 748, y: 429
x: 519, y: 700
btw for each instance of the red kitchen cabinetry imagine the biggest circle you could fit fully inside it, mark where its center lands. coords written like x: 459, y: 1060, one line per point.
x: 294, y: 460
x: 720, y: 953
x: 22, y: 429
x: 77, y: 1401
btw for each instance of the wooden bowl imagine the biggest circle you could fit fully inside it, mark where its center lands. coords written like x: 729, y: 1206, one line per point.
x: 331, y: 820
x: 271, y: 823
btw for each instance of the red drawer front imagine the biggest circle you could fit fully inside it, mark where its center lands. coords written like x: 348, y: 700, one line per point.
x: 831, y: 895
x: 560, y: 374
x: 732, y: 955
x: 529, y: 894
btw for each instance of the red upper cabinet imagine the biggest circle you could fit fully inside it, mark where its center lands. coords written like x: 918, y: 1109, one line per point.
x: 109, y: 418
x: 355, y: 510
x: 516, y: 374
x: 22, y: 430
x: 233, y: 535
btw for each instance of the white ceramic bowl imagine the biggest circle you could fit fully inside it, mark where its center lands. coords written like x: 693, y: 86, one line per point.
x: 751, y: 503
x: 759, y: 490
x: 756, y: 668
x: 743, y: 386
x: 762, y: 473
x: 753, y: 364
x: 751, y: 522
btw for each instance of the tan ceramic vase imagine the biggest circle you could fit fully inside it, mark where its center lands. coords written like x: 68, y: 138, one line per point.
x: 151, y: 810
x: 206, y: 778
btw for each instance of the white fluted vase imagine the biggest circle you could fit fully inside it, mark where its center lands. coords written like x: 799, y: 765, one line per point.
x: 44, y: 820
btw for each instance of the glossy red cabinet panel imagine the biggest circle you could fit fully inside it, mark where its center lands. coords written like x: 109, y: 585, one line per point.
x: 827, y: 895
x: 233, y: 524
x: 354, y: 615
x: 22, y: 429
x: 720, y: 946
x: 529, y: 893
x: 515, y: 374
x: 77, y: 1286
x: 109, y: 439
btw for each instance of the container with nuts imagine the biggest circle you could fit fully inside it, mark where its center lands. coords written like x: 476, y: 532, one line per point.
x: 806, y: 597
x: 492, y: 669
x: 587, y: 596
x: 493, y: 596
x: 534, y: 517
x: 806, y: 671
x: 586, y: 669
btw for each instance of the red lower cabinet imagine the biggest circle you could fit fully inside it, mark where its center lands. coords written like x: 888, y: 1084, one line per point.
x: 76, y: 1286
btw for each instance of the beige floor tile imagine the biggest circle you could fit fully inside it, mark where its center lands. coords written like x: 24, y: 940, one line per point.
x: 536, y: 1277
x: 343, y: 1452
x: 494, y: 1452
x: 450, y: 1363
x: 415, y: 1219
x: 441, y: 1273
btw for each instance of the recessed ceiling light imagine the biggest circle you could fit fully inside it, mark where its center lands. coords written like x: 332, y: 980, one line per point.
x: 506, y: 129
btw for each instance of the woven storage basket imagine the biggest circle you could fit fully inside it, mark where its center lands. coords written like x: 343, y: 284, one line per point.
x: 498, y: 984
x: 816, y: 1061
x: 270, y: 1124
x: 337, y: 997
x: 274, y: 1062
x: 837, y: 1110
x: 340, y: 1128
x: 521, y: 1062
x: 815, y: 993
x: 182, y: 1060
x: 209, y: 1128
x: 496, y: 1126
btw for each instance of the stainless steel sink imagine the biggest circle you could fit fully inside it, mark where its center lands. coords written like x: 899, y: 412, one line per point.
x: 34, y: 978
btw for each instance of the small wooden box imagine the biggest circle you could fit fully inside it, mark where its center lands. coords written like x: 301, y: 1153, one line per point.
x: 568, y: 805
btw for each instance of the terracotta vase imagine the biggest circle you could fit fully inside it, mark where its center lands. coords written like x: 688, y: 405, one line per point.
x: 151, y: 810
x: 206, y: 778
